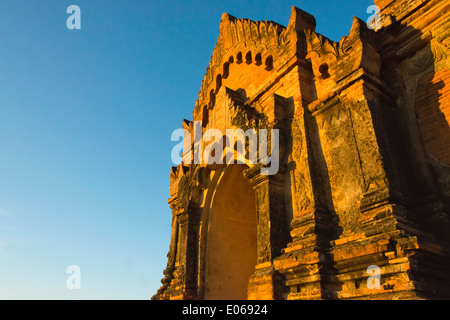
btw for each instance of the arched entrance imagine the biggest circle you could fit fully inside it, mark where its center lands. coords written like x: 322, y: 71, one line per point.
x: 232, y: 240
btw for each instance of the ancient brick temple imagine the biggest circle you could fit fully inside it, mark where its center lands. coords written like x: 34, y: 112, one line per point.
x: 364, y: 177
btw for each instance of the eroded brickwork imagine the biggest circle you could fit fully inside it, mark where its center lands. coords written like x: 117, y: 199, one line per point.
x: 364, y: 177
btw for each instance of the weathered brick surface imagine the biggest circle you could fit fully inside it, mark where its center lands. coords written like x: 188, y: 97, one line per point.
x: 364, y: 177
x: 432, y: 106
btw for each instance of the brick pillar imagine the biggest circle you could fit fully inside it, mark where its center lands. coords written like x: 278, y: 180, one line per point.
x: 373, y: 219
x: 306, y: 264
x: 165, y: 292
x: 188, y: 218
x: 266, y: 283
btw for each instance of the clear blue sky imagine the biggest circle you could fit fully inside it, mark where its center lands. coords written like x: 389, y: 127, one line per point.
x: 86, y: 118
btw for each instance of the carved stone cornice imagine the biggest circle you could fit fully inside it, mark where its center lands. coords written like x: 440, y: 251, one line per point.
x: 322, y: 106
x: 255, y: 177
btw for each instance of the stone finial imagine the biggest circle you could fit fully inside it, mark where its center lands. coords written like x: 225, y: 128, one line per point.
x: 225, y: 23
x: 301, y: 20
x: 359, y: 28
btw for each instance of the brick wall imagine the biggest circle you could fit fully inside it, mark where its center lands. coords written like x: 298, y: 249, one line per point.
x: 433, y: 112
